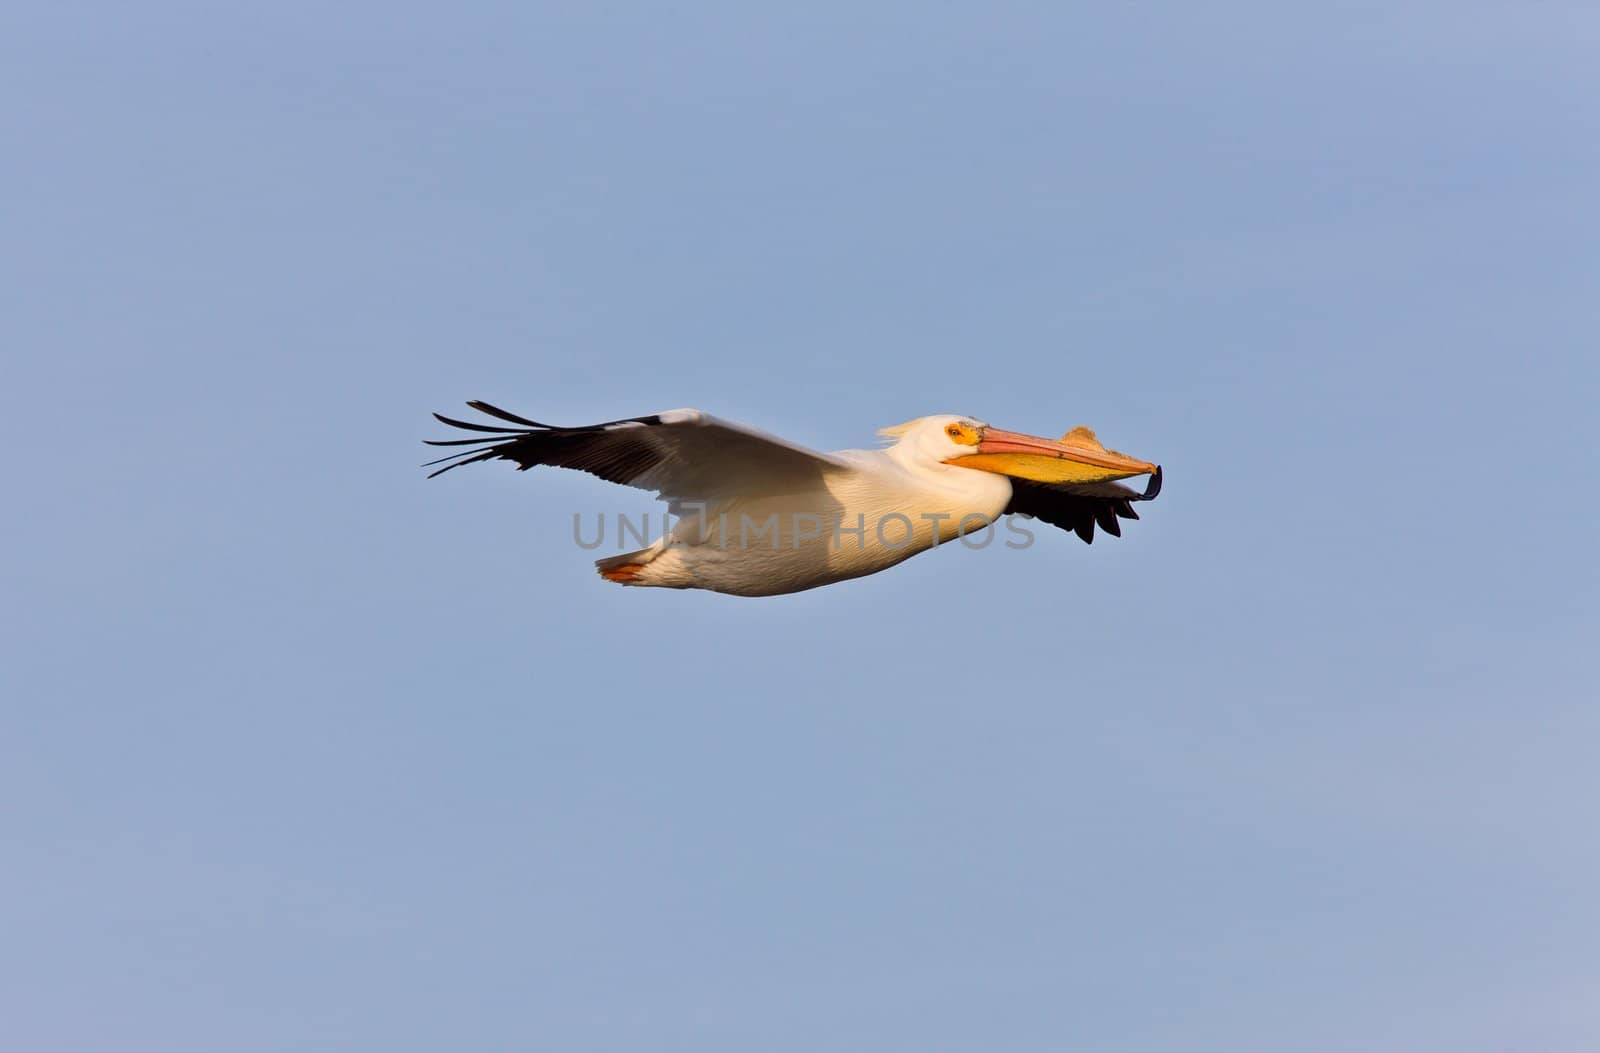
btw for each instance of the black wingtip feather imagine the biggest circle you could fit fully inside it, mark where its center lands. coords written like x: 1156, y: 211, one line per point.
x: 505, y: 415
x: 453, y: 456
x: 465, y: 426
x: 460, y: 442
x: 498, y: 440
x: 470, y: 457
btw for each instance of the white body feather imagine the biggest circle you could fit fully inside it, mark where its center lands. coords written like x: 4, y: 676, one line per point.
x: 890, y: 507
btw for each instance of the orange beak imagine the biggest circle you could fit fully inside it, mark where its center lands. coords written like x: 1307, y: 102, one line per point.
x: 1077, y: 457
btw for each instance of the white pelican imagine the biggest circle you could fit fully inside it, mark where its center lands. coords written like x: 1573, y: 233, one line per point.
x: 758, y: 516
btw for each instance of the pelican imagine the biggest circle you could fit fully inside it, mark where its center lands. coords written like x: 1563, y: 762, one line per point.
x: 759, y: 516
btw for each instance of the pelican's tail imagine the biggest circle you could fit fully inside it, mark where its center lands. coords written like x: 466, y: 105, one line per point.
x: 626, y: 568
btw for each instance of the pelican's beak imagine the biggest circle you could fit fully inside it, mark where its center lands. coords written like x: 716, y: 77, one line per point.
x: 1076, y: 457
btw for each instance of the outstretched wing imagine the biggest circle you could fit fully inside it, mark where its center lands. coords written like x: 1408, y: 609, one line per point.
x: 1078, y: 507
x: 680, y: 454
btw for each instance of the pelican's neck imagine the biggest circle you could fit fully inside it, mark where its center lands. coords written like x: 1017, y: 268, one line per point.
x: 983, y: 492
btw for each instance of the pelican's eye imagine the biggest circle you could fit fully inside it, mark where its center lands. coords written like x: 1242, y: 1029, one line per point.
x: 965, y: 434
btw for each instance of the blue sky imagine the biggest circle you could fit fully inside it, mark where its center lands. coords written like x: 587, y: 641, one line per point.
x: 301, y: 751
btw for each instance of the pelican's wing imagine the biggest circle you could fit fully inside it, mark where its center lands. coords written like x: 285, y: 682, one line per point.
x: 680, y: 454
x: 1078, y: 507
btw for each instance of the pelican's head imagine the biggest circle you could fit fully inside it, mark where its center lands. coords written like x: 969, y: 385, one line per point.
x: 962, y: 442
